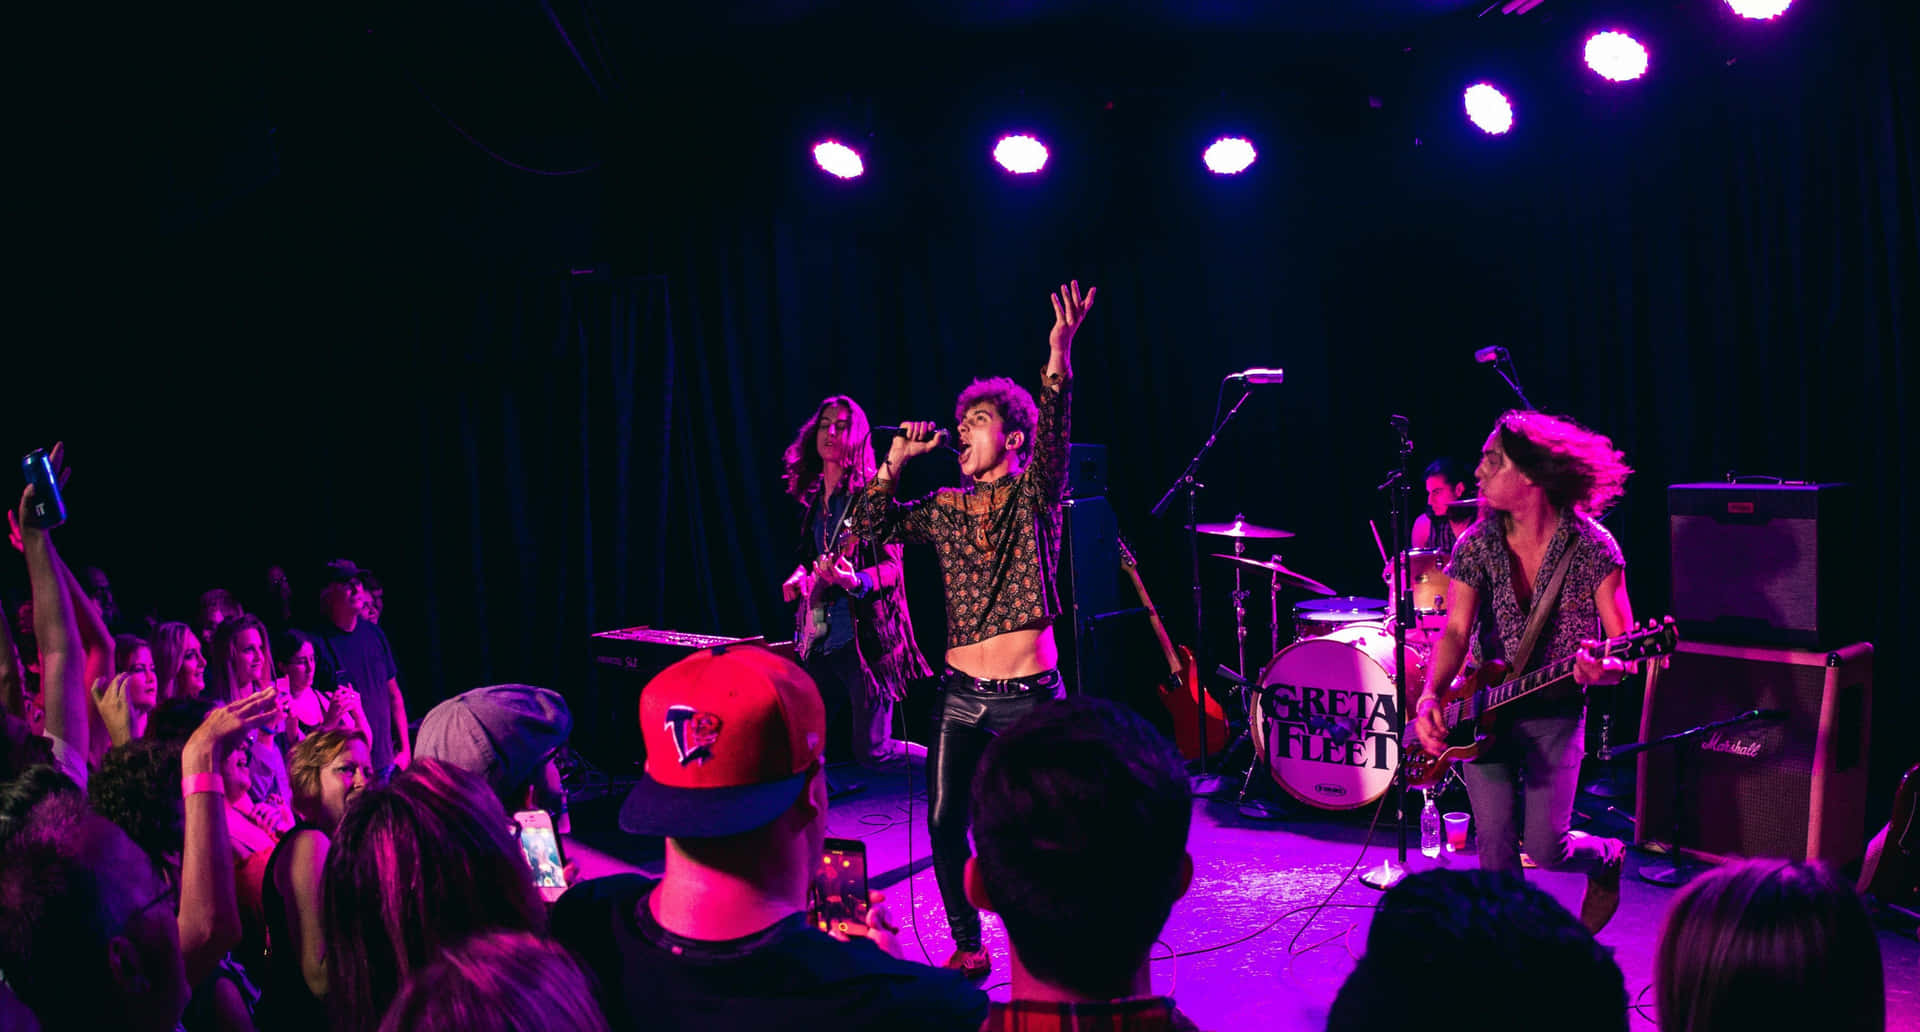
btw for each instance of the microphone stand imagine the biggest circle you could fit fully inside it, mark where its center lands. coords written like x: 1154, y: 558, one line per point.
x: 1204, y: 783
x: 1399, y: 485
x: 1679, y: 869
x: 1503, y: 358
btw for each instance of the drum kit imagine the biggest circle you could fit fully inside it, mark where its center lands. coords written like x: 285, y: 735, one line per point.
x: 1325, y: 713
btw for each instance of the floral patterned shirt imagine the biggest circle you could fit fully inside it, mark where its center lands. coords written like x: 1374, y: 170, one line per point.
x: 1483, y: 562
x: 998, y: 543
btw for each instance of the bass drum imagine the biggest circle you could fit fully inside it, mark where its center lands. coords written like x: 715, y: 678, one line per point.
x: 1329, y: 726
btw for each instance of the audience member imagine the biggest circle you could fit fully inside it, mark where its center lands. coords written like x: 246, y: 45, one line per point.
x: 1057, y: 797
x: 237, y: 661
x: 735, y: 782
x: 1768, y: 944
x: 93, y: 581
x: 65, y: 662
x: 178, y: 662
x: 217, y: 606
x: 353, y: 652
x: 88, y: 937
x: 251, y: 826
x: 138, y: 788
x: 35, y: 785
x: 133, y: 657
x: 310, y: 710
x: 507, y: 734
x: 1438, y: 933
x: 375, y: 598
x: 326, y: 770
x: 498, y: 982
x: 416, y: 867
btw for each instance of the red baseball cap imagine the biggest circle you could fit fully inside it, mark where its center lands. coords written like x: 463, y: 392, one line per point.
x: 731, y: 734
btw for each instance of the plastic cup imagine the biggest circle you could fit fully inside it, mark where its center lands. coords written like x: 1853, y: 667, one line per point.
x: 1457, y: 831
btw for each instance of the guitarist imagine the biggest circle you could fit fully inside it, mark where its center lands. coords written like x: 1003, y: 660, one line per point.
x: 852, y: 629
x: 1544, y: 481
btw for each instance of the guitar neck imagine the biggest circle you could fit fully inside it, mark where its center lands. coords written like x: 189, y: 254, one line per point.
x: 1498, y: 695
x: 1153, y: 617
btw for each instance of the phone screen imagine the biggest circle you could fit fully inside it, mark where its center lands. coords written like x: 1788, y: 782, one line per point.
x: 839, y: 887
x: 541, y: 848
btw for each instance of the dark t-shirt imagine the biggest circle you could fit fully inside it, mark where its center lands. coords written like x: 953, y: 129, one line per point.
x: 787, y: 976
x: 362, y: 658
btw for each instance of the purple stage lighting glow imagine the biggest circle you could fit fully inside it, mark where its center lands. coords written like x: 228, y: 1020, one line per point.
x: 1489, y: 108
x: 837, y: 159
x: 1616, y: 56
x: 1759, y: 8
x: 1020, y: 154
x: 1228, y: 155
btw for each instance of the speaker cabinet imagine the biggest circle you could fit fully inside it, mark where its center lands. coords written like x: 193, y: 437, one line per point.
x: 1769, y: 564
x: 1795, y: 787
x: 1089, y: 591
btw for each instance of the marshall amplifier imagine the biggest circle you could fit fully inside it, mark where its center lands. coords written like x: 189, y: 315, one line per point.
x: 624, y: 660
x: 1792, y: 787
x: 1769, y: 564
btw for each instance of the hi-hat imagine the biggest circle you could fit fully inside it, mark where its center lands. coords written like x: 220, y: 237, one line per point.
x: 1273, y: 566
x: 1240, y: 528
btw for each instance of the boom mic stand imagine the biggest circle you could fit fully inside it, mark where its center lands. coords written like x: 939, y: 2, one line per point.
x: 1399, y: 485
x: 1680, y: 869
x: 1204, y: 783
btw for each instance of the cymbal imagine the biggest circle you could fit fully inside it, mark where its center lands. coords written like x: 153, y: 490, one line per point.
x: 1465, y: 508
x: 1240, y: 528
x: 1273, y: 566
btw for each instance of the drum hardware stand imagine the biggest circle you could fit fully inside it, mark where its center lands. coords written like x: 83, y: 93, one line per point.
x: 1603, y: 786
x: 1399, y: 485
x: 1679, y: 869
x: 1257, y: 809
x: 1204, y: 783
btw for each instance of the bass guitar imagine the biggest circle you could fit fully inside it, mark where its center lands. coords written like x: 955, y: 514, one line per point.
x: 1181, y: 691
x: 1470, y: 705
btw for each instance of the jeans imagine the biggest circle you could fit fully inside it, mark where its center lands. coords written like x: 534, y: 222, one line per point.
x: 1548, y: 750
x: 964, y: 722
x: 844, y: 689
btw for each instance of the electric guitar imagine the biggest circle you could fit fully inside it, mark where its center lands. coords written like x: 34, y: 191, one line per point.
x: 1891, y: 871
x: 1182, y: 673
x: 810, y: 618
x: 1468, y: 707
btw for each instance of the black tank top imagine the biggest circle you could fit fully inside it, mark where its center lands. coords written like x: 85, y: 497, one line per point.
x: 285, y: 1001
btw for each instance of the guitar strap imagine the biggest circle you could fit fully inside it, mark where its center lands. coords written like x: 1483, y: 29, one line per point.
x: 1542, y: 608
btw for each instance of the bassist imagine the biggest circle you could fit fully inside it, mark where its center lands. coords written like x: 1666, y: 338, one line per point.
x: 1544, y: 481
x: 852, y: 631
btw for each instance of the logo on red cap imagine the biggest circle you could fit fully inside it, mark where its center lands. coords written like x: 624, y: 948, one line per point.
x: 694, y: 733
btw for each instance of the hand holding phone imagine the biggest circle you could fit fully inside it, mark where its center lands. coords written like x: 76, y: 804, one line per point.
x: 838, y: 894
x: 541, y: 848
x: 45, y: 509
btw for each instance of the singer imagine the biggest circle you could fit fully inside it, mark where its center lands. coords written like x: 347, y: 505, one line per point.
x: 852, y: 630
x: 1544, y: 481
x: 998, y: 541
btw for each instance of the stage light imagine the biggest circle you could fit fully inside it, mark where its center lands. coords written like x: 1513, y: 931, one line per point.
x: 1489, y: 108
x: 1020, y: 154
x: 837, y: 159
x: 1228, y: 155
x: 1616, y: 56
x: 1758, y: 8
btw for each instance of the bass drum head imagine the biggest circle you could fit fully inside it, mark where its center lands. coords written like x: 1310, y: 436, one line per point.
x: 1331, y: 727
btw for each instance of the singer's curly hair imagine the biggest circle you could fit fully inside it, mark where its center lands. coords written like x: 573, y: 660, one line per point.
x: 1578, y: 468
x: 1018, y: 411
x: 803, y: 459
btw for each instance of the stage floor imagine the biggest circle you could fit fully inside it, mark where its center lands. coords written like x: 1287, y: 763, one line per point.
x: 1246, y: 874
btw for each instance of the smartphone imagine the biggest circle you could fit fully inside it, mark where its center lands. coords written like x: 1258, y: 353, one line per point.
x: 541, y: 848
x: 839, y: 889
x: 47, y: 510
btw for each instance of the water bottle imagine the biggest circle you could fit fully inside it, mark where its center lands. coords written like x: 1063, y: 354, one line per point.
x: 1430, y: 831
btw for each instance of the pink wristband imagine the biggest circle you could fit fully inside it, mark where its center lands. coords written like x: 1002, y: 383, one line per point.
x: 194, y: 784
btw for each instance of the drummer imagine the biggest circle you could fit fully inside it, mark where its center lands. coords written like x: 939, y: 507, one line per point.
x: 1438, y: 528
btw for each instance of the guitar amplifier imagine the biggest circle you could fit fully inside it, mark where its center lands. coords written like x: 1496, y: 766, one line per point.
x: 1795, y: 787
x: 632, y: 656
x: 1769, y: 564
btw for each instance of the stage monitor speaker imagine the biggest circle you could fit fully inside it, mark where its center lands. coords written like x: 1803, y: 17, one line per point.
x: 1794, y: 788
x: 1086, y: 470
x: 1769, y: 564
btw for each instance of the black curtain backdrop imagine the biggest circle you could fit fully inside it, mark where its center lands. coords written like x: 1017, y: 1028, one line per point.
x: 545, y: 405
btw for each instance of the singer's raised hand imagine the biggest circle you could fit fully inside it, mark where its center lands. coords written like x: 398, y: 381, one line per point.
x: 1070, y: 309
x: 913, y: 439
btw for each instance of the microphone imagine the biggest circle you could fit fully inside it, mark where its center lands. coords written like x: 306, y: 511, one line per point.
x: 1488, y: 356
x: 939, y: 437
x: 1259, y: 376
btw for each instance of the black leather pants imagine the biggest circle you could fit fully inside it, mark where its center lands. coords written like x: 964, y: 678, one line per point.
x: 964, y: 722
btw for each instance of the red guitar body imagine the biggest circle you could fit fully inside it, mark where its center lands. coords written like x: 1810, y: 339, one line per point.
x: 1187, y: 716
